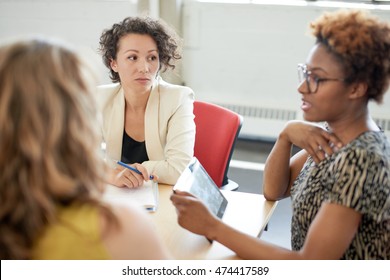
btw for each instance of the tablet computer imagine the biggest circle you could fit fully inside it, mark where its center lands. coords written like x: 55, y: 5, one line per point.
x: 197, y: 181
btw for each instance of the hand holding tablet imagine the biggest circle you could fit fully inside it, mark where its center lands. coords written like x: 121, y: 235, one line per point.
x: 196, y: 181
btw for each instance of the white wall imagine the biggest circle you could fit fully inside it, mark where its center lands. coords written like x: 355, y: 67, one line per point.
x: 80, y: 22
x: 240, y: 55
x: 245, y: 56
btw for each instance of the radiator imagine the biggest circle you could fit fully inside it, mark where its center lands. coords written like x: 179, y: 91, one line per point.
x: 261, y: 123
x: 266, y: 123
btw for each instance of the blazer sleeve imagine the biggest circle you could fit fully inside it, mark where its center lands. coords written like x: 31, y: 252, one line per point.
x: 176, y: 129
x: 111, y: 104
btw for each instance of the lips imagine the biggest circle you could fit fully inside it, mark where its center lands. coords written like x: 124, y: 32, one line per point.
x: 143, y: 80
x: 305, y: 105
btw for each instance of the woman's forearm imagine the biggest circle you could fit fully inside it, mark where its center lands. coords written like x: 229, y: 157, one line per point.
x: 249, y: 247
x: 276, y: 176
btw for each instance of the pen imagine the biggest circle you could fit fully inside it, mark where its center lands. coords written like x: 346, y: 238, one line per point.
x: 132, y: 168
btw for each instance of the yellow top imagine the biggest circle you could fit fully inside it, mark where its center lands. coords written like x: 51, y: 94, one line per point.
x: 76, y: 236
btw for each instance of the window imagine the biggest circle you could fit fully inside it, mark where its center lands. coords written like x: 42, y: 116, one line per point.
x: 292, y: 1
x: 356, y: 4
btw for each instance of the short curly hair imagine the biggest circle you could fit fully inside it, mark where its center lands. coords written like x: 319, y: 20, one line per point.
x: 167, y: 40
x: 361, y: 42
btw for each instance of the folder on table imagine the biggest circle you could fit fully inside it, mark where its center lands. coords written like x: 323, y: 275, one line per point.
x: 145, y: 195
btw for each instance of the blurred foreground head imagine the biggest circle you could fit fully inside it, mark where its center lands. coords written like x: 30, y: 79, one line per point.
x: 48, y: 138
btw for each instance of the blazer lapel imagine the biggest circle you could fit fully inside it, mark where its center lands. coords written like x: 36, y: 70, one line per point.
x: 152, y: 136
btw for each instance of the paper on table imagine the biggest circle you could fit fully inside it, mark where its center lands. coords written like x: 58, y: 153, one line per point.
x: 146, y: 195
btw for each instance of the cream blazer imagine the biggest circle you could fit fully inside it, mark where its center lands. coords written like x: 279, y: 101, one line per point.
x: 169, y: 127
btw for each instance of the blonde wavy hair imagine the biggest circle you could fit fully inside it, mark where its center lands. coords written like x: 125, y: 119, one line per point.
x: 361, y: 42
x: 48, y: 141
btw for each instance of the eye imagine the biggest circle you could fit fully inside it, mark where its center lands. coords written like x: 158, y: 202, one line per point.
x: 313, y: 77
x: 153, y: 58
x: 132, y: 57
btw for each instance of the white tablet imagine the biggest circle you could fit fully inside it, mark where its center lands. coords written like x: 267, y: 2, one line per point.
x: 197, y: 181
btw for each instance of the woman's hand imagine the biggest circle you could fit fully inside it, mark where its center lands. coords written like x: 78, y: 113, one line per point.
x: 317, y: 141
x: 193, y: 215
x: 124, y: 177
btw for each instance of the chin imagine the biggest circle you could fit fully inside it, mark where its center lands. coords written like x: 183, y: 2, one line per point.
x: 312, y: 118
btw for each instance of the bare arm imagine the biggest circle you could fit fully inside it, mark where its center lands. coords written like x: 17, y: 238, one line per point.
x: 280, y: 171
x: 328, y: 237
x: 136, y: 238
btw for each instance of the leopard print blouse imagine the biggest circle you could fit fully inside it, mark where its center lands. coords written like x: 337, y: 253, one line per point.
x: 356, y: 176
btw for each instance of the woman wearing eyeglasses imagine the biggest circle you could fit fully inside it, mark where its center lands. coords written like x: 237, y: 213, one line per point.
x: 340, y: 182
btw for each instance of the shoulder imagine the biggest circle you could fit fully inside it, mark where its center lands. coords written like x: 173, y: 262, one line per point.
x: 135, y: 237
x: 361, y: 172
x: 174, y: 98
x: 105, y: 93
x: 172, y: 91
x: 78, y: 212
x: 108, y: 88
x: 78, y: 227
x: 375, y: 143
x: 369, y: 149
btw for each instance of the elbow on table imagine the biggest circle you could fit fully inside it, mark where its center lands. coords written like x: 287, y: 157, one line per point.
x: 272, y: 195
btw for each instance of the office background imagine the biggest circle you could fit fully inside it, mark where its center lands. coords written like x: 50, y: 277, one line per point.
x: 240, y: 55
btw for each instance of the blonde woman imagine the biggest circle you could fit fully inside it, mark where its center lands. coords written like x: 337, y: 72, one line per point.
x: 51, y: 175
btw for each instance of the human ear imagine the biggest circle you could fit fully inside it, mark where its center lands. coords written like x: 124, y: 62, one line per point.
x: 113, y: 65
x: 359, y: 90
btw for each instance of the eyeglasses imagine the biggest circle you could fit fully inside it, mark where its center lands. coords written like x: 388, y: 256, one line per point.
x: 312, y: 81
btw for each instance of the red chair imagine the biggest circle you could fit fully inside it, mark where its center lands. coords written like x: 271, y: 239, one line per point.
x: 217, y: 129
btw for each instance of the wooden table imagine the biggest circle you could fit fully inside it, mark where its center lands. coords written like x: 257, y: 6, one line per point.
x: 247, y: 212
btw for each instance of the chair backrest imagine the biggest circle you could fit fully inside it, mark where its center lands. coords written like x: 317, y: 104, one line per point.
x: 217, y: 129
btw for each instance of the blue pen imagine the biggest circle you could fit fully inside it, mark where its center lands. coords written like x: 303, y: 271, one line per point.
x: 132, y: 168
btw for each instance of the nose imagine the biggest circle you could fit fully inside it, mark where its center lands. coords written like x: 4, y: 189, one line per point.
x: 303, y: 88
x: 143, y: 66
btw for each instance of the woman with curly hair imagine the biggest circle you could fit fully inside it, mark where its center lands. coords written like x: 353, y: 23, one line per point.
x: 51, y: 171
x: 147, y: 122
x: 339, y: 182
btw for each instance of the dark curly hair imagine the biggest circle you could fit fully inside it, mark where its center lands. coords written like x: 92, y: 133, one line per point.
x: 167, y: 40
x: 361, y: 42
